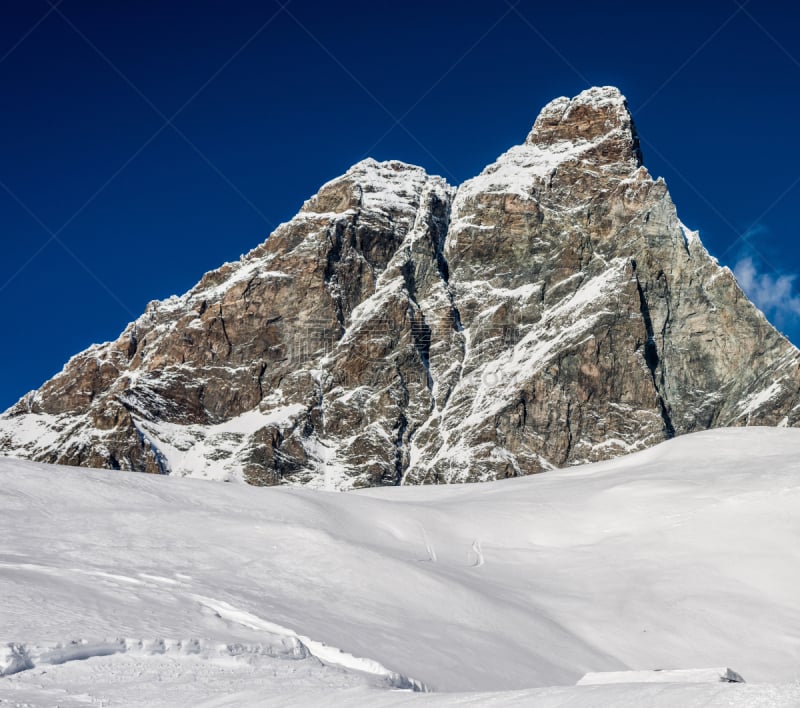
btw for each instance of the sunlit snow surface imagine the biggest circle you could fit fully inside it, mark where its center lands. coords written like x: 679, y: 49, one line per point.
x: 133, y: 590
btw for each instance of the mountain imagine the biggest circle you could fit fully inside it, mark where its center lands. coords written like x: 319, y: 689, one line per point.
x: 550, y: 311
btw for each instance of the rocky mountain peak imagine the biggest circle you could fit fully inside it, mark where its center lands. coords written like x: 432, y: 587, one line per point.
x: 369, y: 184
x: 598, y: 116
x: 552, y: 310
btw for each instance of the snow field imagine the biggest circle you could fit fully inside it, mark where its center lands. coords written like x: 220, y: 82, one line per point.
x: 683, y: 556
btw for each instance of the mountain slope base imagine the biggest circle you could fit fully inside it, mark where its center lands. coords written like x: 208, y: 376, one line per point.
x: 681, y: 556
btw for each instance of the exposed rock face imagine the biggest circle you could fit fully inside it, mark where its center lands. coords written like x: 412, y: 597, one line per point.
x: 550, y: 311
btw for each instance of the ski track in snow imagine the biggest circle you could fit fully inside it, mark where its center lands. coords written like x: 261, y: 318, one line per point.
x: 477, y: 552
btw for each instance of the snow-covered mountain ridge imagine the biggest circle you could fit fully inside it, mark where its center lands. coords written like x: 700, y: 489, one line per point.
x: 550, y: 311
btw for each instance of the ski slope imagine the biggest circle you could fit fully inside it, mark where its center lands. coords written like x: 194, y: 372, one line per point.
x: 135, y: 590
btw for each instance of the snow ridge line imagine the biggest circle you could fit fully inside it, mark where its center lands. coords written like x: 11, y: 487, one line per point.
x: 332, y: 656
x: 16, y: 657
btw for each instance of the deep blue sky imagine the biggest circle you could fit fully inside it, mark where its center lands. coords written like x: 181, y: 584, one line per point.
x: 281, y: 100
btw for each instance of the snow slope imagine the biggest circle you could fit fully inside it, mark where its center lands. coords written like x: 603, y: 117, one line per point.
x: 184, y: 592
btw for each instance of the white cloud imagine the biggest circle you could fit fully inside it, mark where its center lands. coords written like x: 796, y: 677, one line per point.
x: 774, y: 294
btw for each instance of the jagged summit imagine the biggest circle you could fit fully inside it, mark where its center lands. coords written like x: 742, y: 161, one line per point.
x: 551, y: 310
x: 598, y: 116
x: 371, y: 184
x: 593, y: 130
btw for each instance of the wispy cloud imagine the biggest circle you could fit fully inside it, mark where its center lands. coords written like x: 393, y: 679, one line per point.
x: 774, y: 294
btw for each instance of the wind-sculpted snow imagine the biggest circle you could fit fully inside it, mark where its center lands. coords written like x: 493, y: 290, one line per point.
x: 550, y: 311
x: 683, y: 556
x: 22, y: 657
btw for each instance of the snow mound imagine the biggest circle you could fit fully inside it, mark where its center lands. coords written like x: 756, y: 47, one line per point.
x: 724, y: 675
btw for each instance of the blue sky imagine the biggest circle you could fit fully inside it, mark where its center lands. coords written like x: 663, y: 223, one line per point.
x: 142, y: 144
